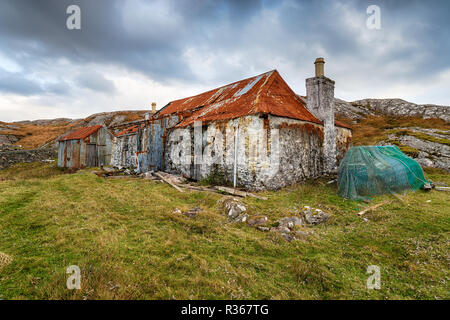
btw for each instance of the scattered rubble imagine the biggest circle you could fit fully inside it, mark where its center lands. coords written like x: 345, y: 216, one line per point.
x: 232, y: 207
x: 291, y: 222
x: 314, y: 216
x: 257, y: 221
x: 241, y: 218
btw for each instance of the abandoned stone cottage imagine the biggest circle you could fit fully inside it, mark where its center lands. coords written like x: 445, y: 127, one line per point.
x: 256, y: 133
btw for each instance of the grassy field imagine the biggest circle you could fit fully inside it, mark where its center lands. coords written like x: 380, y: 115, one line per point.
x: 130, y: 245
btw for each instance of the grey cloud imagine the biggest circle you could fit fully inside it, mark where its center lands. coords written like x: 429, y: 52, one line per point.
x: 17, y: 84
x: 95, y: 82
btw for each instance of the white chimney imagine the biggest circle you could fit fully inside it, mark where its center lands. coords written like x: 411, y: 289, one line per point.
x: 320, y: 101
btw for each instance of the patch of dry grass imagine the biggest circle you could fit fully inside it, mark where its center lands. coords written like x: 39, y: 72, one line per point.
x: 4, y: 260
x: 372, y: 129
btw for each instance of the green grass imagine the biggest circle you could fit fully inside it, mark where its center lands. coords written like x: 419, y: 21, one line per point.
x: 123, y: 233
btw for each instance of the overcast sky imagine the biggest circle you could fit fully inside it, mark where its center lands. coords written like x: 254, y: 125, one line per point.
x: 131, y: 53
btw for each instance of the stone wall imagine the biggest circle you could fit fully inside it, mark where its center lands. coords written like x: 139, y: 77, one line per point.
x: 320, y: 101
x: 123, y: 153
x: 10, y: 157
x: 273, y: 152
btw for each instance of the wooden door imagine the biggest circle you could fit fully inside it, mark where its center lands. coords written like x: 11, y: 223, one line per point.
x: 91, y: 155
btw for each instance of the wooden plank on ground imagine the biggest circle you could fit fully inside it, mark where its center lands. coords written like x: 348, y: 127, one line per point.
x: 168, y: 182
x: 239, y: 192
x: 373, y: 207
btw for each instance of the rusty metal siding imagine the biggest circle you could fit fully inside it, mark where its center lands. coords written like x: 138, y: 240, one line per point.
x: 155, y: 146
x: 74, y: 153
x: 82, y: 154
x: 157, y: 133
x: 91, y: 155
x: 69, y: 154
x: 76, y: 156
x: 108, y: 149
x: 147, y: 141
x: 61, y: 146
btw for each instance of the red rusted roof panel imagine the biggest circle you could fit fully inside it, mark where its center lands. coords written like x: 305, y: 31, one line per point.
x: 81, y: 133
x: 266, y: 93
x: 342, y: 124
x: 128, y: 130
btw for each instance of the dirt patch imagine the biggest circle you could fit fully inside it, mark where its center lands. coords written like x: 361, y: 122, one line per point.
x: 4, y: 260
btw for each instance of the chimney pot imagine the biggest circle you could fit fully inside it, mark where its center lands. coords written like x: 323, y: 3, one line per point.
x: 319, y: 63
x: 153, y: 107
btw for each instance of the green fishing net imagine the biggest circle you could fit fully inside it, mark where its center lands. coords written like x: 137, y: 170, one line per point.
x: 368, y: 171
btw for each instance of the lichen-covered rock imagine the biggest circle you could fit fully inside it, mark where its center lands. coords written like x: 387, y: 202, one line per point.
x: 314, y: 216
x: 232, y: 207
x: 291, y: 222
x: 395, y: 107
x: 241, y: 218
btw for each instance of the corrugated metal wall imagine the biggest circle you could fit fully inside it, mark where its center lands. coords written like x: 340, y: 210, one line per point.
x: 150, y: 143
x: 72, y: 153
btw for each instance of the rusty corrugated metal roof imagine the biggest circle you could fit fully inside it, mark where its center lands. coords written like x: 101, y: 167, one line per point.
x: 342, y: 124
x: 267, y: 93
x: 128, y: 130
x: 81, y: 133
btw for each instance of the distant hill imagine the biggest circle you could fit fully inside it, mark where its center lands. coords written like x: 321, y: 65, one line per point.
x: 44, y: 133
x: 360, y: 109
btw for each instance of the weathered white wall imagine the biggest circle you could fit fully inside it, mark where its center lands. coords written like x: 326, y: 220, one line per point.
x: 320, y: 101
x: 123, y: 154
x: 272, y: 152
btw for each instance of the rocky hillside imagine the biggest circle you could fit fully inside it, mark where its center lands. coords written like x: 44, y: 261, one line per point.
x: 420, y: 131
x: 361, y: 109
x: 44, y: 133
